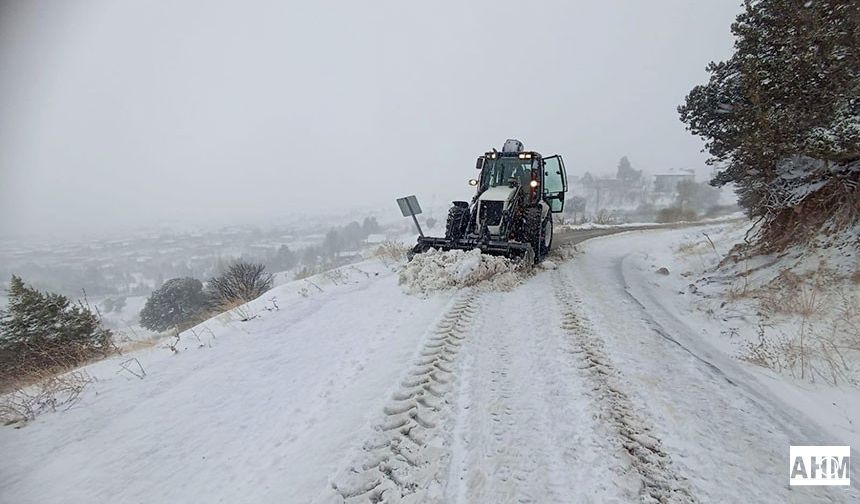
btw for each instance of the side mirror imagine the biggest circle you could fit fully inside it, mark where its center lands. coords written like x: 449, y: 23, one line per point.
x: 480, y: 164
x: 473, y: 182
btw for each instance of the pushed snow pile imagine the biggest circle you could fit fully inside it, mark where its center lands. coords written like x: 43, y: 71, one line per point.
x: 436, y: 270
x: 560, y: 254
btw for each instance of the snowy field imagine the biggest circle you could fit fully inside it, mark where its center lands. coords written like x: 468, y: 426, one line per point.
x: 596, y: 378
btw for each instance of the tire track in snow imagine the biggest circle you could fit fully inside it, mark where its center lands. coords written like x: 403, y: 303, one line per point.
x: 405, y: 458
x: 514, y: 426
x: 627, y: 431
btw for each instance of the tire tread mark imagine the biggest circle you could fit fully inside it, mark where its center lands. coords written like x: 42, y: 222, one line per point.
x: 405, y: 455
x: 654, y: 467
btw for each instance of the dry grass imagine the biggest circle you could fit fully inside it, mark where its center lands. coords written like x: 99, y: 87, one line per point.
x: 51, y: 393
x: 676, y: 214
x: 237, y: 308
x: 738, y: 290
x: 819, y: 319
x: 692, y: 248
x: 336, y: 276
x: 391, y: 252
x: 809, y: 354
x: 309, y: 271
x: 805, y: 301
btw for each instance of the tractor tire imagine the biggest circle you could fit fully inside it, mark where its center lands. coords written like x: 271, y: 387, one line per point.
x: 546, y: 235
x: 533, y: 226
x: 458, y: 218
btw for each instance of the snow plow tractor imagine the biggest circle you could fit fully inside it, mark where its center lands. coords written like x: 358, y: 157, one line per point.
x: 511, y: 212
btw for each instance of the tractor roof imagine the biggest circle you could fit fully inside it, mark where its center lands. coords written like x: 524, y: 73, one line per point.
x: 521, y: 154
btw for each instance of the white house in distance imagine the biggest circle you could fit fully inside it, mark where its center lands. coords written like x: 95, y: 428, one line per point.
x: 668, y: 182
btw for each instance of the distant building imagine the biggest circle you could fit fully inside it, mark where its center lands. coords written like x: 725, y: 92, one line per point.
x: 668, y: 182
x: 375, y: 238
x: 601, y: 192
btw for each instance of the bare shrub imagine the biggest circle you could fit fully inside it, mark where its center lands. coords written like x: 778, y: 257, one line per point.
x: 240, y: 283
x: 53, y: 392
x: 605, y: 217
x: 768, y: 352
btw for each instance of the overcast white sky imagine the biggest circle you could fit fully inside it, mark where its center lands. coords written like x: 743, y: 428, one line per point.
x: 117, y: 113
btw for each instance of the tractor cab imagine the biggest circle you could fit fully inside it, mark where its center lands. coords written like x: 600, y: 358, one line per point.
x: 541, y: 179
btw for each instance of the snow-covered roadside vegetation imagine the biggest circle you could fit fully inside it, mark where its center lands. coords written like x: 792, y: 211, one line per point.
x: 792, y: 316
x: 796, y: 312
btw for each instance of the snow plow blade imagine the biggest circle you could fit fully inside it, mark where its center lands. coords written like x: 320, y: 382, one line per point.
x: 513, y: 250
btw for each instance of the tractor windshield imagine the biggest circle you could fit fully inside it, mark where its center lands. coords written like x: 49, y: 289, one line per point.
x: 500, y: 171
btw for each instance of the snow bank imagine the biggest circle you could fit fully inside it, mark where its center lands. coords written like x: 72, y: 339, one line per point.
x: 436, y: 270
x: 259, y: 411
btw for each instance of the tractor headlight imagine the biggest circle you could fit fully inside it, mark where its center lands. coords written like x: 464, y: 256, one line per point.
x: 533, y: 183
x: 525, y: 155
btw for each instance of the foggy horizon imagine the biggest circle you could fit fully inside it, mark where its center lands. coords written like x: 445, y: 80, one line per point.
x: 117, y: 116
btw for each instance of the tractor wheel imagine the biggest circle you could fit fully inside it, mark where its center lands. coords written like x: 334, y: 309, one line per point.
x: 546, y: 236
x: 532, y: 231
x: 458, y: 218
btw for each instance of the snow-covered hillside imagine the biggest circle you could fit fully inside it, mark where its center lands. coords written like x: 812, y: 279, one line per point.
x: 597, y: 378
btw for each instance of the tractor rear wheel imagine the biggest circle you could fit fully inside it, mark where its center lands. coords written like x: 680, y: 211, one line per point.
x: 458, y: 218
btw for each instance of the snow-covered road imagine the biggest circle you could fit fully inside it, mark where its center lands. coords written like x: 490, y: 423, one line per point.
x: 586, y: 383
x: 582, y: 385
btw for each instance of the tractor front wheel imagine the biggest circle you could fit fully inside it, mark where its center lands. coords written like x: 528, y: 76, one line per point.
x: 533, y: 234
x: 458, y: 218
x: 546, y: 238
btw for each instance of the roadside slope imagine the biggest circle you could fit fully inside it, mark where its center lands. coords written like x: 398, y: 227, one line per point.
x: 263, y: 415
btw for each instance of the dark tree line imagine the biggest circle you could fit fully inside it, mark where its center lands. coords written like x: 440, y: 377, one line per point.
x: 781, y: 117
x: 348, y: 237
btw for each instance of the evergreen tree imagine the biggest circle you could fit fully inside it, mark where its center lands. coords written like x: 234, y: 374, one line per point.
x: 781, y: 117
x: 284, y: 259
x: 333, y: 242
x: 626, y: 172
x: 370, y: 226
x: 176, y: 302
x: 45, y: 331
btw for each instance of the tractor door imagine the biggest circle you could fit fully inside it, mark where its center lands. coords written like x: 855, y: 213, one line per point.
x: 554, y: 182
